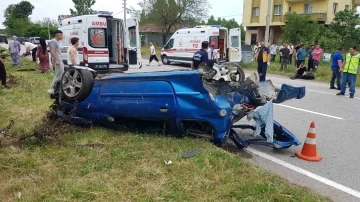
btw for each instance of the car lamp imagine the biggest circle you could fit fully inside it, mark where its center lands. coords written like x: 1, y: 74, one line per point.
x: 223, y: 112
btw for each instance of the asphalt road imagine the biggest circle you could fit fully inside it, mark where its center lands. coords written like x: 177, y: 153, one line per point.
x: 337, y: 121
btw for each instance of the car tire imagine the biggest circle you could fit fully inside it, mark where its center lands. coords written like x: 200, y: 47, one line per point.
x: 165, y: 60
x: 76, y: 84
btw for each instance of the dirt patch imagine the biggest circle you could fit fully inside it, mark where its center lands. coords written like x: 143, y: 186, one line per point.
x: 11, y: 80
x: 47, y: 131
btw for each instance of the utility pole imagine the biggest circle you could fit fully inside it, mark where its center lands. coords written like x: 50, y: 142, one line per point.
x: 267, y: 30
x: 125, y: 12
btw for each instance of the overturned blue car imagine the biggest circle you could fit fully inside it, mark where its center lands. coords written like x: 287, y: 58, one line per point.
x: 205, y: 103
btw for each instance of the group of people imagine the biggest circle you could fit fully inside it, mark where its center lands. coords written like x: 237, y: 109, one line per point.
x: 344, y: 70
x: 207, y: 54
x: 40, y: 55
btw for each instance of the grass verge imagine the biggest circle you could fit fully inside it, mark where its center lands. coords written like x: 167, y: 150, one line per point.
x: 100, y: 164
x: 323, y: 74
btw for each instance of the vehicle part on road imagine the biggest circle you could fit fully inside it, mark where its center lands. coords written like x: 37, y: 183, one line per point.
x: 76, y: 84
x: 191, y: 153
x: 308, y: 151
x: 182, y: 102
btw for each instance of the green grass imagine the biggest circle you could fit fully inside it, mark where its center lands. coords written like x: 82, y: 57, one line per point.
x: 323, y: 73
x: 100, y: 164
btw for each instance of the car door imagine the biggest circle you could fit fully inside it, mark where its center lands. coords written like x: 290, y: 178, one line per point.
x: 134, y: 43
x: 234, y: 45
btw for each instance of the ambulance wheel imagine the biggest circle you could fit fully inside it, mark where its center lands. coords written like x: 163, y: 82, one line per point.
x: 165, y: 60
x: 76, y: 84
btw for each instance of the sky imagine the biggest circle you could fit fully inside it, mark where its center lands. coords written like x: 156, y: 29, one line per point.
x: 52, y: 8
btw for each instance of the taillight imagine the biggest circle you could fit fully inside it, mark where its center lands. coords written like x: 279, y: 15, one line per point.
x: 85, y: 55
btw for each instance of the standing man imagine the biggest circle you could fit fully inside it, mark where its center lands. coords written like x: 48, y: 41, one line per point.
x: 153, y: 55
x: 310, y: 61
x: 212, y: 55
x: 2, y: 72
x: 291, y: 48
x: 349, y: 71
x: 284, y: 54
x: 30, y: 47
x: 200, y: 56
x: 15, y: 49
x: 300, y: 55
x: 296, y: 64
x: 336, y: 65
x: 262, y: 57
x: 256, y: 47
x: 316, y: 55
x: 273, y: 51
x: 56, y: 59
x: 73, y: 58
x: 281, y: 47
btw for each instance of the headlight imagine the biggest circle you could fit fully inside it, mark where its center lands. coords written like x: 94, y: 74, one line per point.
x: 223, y: 112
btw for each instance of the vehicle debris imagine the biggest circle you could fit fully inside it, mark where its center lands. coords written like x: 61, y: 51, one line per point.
x: 191, y: 153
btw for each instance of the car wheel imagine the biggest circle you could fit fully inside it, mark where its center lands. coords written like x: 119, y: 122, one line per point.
x: 76, y: 84
x: 165, y: 60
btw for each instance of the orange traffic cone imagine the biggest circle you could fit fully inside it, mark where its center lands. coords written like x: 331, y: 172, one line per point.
x: 308, y: 151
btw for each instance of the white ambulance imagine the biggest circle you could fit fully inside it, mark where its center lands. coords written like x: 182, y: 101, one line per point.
x: 185, y: 42
x: 104, y: 43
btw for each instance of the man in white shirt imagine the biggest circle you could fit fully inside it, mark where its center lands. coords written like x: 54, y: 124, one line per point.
x: 213, y: 55
x: 30, y: 47
x: 291, y: 48
x: 273, y: 51
x: 256, y: 47
x: 73, y: 58
x: 153, y: 54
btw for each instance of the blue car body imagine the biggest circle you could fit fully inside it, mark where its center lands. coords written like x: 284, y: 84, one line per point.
x: 178, y: 97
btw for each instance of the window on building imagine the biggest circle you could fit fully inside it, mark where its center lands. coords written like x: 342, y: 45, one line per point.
x: 335, y: 6
x: 308, y: 8
x: 289, y: 9
x: 255, y: 12
x: 347, y: 7
x: 277, y: 10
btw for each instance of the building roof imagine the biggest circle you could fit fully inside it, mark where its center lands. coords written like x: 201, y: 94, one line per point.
x: 155, y: 28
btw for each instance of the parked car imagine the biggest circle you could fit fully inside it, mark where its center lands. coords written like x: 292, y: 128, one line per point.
x: 34, y: 40
x: 205, y: 103
x: 3, y: 39
x: 21, y: 39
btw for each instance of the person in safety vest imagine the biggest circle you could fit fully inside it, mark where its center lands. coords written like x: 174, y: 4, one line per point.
x: 262, y: 57
x: 349, y: 71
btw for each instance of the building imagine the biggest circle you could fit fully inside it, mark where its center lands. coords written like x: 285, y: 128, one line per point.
x: 255, y: 11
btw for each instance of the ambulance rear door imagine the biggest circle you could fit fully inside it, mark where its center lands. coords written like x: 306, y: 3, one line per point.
x: 134, y: 43
x: 234, y: 45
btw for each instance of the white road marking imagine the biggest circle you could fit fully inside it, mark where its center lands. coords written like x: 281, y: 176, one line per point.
x: 304, y: 110
x: 306, y: 173
x: 315, y: 91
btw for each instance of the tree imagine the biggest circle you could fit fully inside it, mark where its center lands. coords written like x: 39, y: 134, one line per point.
x: 167, y: 14
x: 82, y: 7
x: 41, y: 28
x: 16, y: 13
x: 17, y: 26
x: 300, y: 28
x: 343, y: 25
x: 20, y: 10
